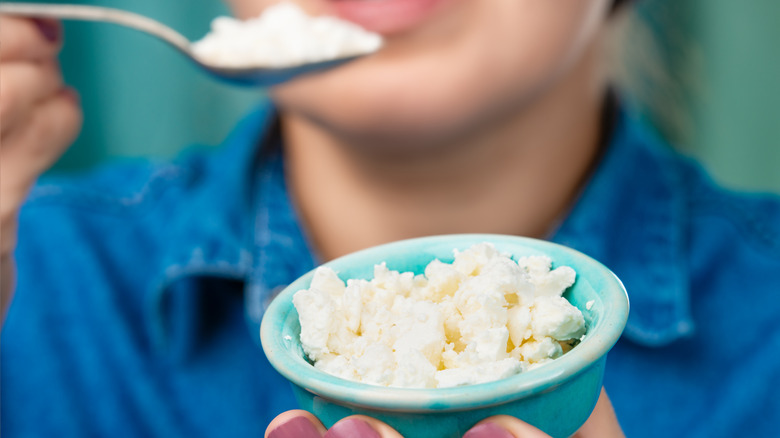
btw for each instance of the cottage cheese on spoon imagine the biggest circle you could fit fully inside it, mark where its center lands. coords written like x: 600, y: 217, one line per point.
x: 283, y: 36
x: 482, y: 318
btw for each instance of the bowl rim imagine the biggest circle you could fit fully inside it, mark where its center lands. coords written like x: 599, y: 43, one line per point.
x: 521, y: 385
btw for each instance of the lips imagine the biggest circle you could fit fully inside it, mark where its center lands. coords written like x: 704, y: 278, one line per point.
x: 385, y: 16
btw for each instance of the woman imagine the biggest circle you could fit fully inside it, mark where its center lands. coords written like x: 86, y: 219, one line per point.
x: 489, y: 116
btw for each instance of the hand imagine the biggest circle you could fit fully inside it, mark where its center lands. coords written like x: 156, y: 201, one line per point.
x: 301, y: 424
x: 39, y: 119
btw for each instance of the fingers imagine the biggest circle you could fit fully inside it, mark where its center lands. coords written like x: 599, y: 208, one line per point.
x: 301, y: 424
x: 363, y: 427
x: 24, y: 85
x: 504, y: 426
x: 29, y: 40
x: 38, y: 120
x: 602, y: 422
x: 36, y: 144
x: 295, y: 424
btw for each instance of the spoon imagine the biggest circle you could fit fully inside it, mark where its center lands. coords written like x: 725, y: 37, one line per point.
x: 249, y: 76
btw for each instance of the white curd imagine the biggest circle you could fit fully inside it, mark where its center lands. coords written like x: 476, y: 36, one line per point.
x: 482, y: 318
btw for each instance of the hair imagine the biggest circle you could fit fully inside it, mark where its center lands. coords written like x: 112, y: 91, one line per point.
x: 654, y: 66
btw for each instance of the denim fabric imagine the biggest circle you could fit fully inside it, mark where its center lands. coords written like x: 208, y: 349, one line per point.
x: 141, y: 288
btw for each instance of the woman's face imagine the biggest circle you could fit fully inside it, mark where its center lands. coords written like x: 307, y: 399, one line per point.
x: 447, y: 65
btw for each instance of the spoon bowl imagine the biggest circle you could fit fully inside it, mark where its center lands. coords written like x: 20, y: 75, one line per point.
x: 269, y: 76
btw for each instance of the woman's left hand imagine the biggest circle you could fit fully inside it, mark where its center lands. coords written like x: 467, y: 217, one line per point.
x: 301, y: 424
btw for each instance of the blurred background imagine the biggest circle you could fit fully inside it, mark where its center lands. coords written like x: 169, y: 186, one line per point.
x: 713, y: 86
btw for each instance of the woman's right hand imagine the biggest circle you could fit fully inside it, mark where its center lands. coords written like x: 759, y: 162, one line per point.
x: 39, y: 119
x: 301, y: 424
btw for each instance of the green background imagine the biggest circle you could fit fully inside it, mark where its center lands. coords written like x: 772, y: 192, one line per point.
x: 142, y: 98
x: 737, y: 111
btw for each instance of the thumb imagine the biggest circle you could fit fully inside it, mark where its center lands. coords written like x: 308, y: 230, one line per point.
x: 602, y: 422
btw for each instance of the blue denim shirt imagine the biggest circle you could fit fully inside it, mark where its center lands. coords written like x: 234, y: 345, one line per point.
x: 141, y: 288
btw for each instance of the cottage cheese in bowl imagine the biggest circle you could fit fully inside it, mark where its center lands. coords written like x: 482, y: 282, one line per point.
x: 283, y: 36
x: 557, y: 396
x: 481, y: 318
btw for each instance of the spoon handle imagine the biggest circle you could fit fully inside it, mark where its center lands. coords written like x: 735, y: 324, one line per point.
x: 97, y: 13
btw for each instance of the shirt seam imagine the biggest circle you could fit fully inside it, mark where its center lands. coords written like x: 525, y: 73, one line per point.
x: 161, y: 179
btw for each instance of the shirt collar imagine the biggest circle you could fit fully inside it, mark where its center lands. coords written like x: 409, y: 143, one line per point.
x: 219, y: 198
x: 629, y: 217
x: 281, y: 250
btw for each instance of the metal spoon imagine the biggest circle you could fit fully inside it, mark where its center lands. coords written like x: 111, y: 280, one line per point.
x: 251, y: 76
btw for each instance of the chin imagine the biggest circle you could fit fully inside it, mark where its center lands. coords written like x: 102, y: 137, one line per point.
x: 397, y: 110
x: 410, y: 103
x: 448, y: 76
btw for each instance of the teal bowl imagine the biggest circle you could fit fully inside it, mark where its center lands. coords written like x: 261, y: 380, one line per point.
x: 557, y: 397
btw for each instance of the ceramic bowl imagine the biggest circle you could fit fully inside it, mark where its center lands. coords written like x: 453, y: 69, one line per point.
x: 557, y: 397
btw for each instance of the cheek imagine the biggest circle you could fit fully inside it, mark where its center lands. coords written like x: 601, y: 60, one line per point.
x: 487, y: 60
x: 529, y: 48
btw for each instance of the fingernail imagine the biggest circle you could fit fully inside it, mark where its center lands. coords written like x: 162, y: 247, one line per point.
x: 488, y: 430
x: 50, y: 29
x: 298, y: 427
x: 351, y: 428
